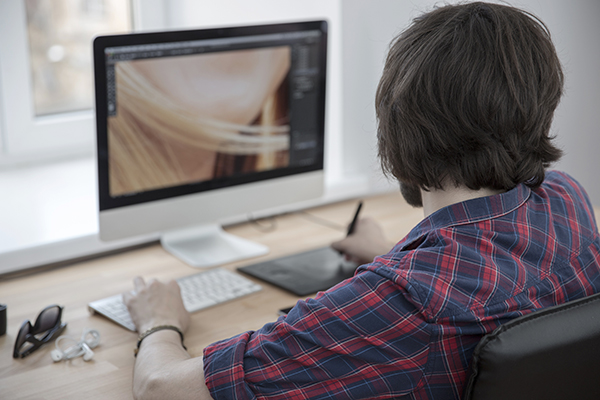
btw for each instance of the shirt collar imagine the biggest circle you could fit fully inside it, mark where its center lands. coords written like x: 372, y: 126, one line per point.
x: 470, y: 211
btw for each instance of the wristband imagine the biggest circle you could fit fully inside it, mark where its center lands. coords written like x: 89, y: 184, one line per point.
x: 156, y: 329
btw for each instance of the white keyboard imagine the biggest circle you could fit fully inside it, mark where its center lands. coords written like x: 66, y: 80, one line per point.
x: 199, y: 291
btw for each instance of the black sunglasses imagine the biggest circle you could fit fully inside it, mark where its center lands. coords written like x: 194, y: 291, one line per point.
x: 47, y: 326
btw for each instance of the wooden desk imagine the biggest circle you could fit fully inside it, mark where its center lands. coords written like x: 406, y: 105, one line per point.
x: 109, y: 375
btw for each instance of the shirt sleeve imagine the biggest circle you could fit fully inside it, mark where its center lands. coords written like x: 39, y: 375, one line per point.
x: 363, y: 338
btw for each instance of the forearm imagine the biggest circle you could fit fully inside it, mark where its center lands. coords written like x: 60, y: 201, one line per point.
x: 164, y: 369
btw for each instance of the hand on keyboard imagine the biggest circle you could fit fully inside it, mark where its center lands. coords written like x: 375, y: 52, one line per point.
x: 156, y: 303
x: 198, y: 291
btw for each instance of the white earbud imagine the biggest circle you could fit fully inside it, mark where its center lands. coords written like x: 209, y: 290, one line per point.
x: 88, y: 354
x: 56, y: 355
x: 89, y: 340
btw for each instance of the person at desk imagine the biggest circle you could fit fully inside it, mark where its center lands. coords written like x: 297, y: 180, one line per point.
x: 464, y: 107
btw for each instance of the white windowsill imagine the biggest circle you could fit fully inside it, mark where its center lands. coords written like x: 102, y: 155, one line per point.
x: 46, y: 204
x: 48, y: 213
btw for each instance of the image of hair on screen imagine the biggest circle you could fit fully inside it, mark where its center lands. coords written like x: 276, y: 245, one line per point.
x: 194, y: 118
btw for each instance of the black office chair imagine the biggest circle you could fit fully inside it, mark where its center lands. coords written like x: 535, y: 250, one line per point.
x: 549, y: 354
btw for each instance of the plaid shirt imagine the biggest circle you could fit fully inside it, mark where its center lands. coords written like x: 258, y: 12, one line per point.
x: 407, y: 324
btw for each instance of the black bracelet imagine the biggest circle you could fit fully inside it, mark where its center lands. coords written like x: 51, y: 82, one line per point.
x: 156, y: 329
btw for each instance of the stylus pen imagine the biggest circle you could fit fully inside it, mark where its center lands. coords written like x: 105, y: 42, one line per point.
x: 353, y: 223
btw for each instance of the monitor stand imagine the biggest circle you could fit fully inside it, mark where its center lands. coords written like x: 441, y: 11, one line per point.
x: 209, y: 245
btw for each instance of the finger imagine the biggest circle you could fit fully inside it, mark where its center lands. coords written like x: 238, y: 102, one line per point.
x: 338, y: 246
x: 174, y: 285
x: 126, y: 297
x: 343, y: 248
x: 138, y: 283
x: 153, y: 283
x: 345, y: 244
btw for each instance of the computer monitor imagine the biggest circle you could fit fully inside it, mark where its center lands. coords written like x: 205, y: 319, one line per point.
x: 197, y: 126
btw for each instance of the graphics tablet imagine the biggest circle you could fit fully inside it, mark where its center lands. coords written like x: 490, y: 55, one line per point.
x: 304, y: 273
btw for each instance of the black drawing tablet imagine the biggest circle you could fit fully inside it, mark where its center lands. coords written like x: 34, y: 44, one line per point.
x: 304, y: 273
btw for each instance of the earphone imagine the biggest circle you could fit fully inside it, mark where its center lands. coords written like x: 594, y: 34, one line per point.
x: 89, y: 340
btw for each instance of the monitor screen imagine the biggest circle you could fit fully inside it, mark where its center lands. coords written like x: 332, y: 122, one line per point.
x: 192, y: 114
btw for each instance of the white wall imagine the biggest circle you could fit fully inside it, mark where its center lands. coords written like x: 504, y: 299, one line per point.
x: 368, y: 27
x: 575, y: 28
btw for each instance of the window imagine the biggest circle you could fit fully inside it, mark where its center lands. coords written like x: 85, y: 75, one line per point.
x: 46, y: 81
x: 59, y: 37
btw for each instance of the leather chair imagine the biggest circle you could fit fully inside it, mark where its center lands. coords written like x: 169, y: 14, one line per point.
x: 549, y: 354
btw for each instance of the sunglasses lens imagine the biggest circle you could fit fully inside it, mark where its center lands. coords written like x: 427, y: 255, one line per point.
x: 23, y: 332
x: 47, y: 319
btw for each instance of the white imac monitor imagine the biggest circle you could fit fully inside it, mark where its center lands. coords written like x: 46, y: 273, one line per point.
x: 198, y: 126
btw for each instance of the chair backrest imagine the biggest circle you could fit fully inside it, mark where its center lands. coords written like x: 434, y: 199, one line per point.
x: 549, y: 354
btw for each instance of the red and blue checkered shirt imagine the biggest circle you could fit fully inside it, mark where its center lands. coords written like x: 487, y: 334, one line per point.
x: 407, y: 324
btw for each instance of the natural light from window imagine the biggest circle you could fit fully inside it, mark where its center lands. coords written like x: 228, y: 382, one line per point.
x: 60, y: 34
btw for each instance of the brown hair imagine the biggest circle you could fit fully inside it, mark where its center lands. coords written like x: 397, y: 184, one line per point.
x: 467, y: 96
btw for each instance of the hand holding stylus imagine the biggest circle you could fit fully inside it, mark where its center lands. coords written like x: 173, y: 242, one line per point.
x: 365, y: 240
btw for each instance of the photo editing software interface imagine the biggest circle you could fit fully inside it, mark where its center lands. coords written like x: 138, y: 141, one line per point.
x: 190, y: 115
